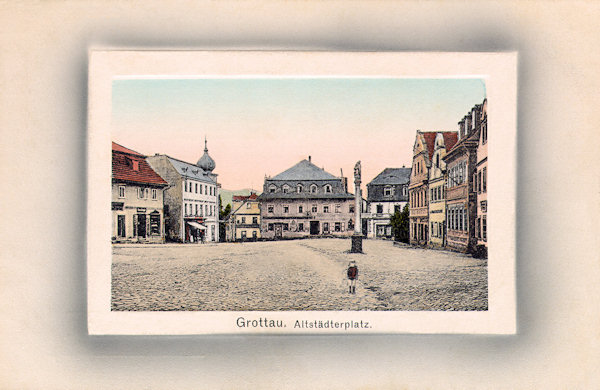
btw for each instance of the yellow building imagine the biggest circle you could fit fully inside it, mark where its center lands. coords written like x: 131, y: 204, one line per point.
x: 244, y: 220
x: 444, y: 141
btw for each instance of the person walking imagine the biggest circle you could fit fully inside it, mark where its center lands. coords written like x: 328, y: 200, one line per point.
x: 352, y: 276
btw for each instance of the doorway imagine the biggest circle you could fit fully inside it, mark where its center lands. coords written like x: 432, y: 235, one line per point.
x: 141, y: 228
x: 278, y: 230
x: 314, y: 227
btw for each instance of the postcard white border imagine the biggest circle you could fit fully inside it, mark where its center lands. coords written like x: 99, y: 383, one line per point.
x: 498, y: 69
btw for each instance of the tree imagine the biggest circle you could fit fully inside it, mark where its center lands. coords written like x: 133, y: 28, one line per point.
x: 223, y: 214
x: 400, y: 225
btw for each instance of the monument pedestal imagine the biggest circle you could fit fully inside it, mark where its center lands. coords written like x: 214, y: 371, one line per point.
x: 356, y: 243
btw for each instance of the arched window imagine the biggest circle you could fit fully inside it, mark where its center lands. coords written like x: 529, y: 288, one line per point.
x: 272, y: 188
x: 313, y: 188
x: 327, y: 188
x: 285, y: 189
x: 299, y: 188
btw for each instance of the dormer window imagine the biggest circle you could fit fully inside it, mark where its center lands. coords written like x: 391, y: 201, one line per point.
x: 388, y: 191
x: 327, y: 188
x: 272, y: 188
x: 313, y: 189
x: 285, y: 189
x: 299, y: 188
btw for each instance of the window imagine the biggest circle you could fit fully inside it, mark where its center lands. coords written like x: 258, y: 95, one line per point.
x: 200, y: 189
x: 270, y: 208
x: 285, y: 189
x: 206, y: 189
x: 478, y: 228
x: 243, y: 234
x: 313, y: 189
x: 301, y: 227
x: 404, y: 190
x: 154, y: 194
x: 327, y: 188
x: 255, y: 220
x: 196, y: 213
x: 314, y: 208
x: 299, y: 188
x: 196, y: 188
x: 379, y: 208
x: 388, y: 191
x: 155, y: 223
x: 325, y: 227
x: 286, y: 209
x: 141, y: 193
x: 351, y: 208
x: 254, y: 235
x: 243, y: 220
x: 300, y: 209
x: 484, y: 180
x: 338, y: 208
x: 272, y: 189
x: 484, y: 227
x: 338, y: 227
x: 397, y: 208
x: 270, y: 227
x: 206, y: 210
x: 325, y: 209
x: 121, y: 191
x: 286, y: 226
x: 248, y: 205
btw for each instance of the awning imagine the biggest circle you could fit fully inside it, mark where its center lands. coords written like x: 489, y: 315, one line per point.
x: 197, y: 225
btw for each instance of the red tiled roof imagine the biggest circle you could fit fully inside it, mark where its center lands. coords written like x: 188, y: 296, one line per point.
x: 244, y: 197
x: 429, y: 137
x: 124, y: 164
x: 450, y: 139
x: 120, y: 148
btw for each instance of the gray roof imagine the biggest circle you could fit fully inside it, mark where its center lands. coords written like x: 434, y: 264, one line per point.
x: 304, y: 170
x: 392, y: 176
x: 293, y: 195
x: 190, y: 170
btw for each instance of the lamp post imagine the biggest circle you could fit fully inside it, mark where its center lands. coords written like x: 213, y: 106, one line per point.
x: 357, y: 235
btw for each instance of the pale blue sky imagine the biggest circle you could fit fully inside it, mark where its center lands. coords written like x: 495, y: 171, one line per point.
x: 258, y: 126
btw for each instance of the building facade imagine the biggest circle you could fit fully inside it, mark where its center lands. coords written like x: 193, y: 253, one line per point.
x: 137, y: 198
x: 244, y: 220
x: 306, y: 201
x: 418, y: 187
x: 387, y: 193
x: 480, y: 180
x: 444, y: 141
x: 461, y: 163
x: 191, y: 201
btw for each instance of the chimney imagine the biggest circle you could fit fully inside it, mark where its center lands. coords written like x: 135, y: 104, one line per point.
x: 468, y: 125
x: 461, y: 129
x: 309, y: 159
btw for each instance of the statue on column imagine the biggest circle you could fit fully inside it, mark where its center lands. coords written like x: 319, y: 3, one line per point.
x: 357, y: 171
x: 357, y: 236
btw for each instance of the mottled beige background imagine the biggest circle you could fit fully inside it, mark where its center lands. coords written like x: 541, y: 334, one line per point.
x: 44, y: 342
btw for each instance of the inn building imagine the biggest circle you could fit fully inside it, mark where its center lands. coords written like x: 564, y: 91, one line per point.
x: 306, y: 201
x: 461, y: 199
x: 191, y: 201
x: 137, y: 198
x: 444, y: 141
x: 387, y: 193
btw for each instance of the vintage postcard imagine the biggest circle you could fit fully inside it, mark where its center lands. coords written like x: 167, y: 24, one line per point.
x: 301, y: 192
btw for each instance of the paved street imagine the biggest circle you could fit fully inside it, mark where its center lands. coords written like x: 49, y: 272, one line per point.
x: 294, y: 275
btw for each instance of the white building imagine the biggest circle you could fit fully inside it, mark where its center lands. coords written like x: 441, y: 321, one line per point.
x: 192, y: 199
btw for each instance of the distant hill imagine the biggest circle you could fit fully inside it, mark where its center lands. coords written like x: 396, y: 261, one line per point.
x: 227, y: 195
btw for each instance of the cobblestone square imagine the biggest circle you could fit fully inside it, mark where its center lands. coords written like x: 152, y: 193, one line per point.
x: 294, y: 275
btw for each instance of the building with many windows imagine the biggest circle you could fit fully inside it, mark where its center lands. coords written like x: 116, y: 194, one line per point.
x: 137, y: 198
x: 461, y: 163
x: 480, y: 180
x: 387, y: 193
x: 444, y: 141
x: 191, y: 201
x: 244, y: 219
x: 305, y: 201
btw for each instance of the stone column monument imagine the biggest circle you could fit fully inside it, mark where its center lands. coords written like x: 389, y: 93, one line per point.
x: 357, y: 235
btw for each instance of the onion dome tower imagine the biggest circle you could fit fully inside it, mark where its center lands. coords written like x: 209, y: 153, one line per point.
x: 206, y: 162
